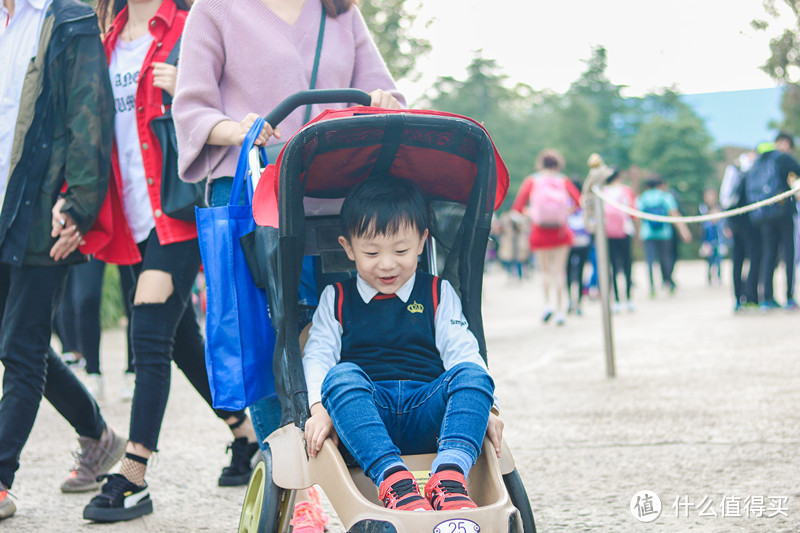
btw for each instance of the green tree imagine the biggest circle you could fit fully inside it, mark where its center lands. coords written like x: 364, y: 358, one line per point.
x: 783, y: 64
x: 391, y: 22
x: 608, y: 120
x: 677, y: 146
x: 515, y: 116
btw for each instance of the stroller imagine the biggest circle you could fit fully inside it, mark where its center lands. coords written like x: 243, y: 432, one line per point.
x: 296, y: 206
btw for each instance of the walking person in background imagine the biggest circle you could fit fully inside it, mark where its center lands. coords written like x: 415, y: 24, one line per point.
x: 770, y: 175
x: 160, y: 254
x: 513, y: 249
x: 578, y: 255
x: 223, y: 87
x: 657, y: 236
x: 619, y: 230
x: 740, y: 232
x: 713, y: 245
x: 55, y: 149
x: 547, y: 197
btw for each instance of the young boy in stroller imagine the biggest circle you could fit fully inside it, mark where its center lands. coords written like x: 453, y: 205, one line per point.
x: 390, y: 364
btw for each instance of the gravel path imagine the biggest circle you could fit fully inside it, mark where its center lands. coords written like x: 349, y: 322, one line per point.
x: 703, y: 413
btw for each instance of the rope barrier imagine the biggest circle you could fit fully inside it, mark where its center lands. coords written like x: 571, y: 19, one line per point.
x: 696, y: 218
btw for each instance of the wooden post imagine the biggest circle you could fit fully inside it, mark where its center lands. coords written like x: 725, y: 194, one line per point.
x: 603, y: 283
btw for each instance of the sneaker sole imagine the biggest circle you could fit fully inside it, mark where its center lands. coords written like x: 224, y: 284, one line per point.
x: 80, y: 488
x: 7, y: 510
x: 234, y: 481
x: 99, y: 514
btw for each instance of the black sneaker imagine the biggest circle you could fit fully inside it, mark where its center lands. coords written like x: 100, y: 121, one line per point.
x: 119, y: 500
x: 242, y: 454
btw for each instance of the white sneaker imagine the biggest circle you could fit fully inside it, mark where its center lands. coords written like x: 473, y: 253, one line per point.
x: 128, y: 383
x: 615, y: 308
x: 73, y: 360
x: 631, y: 307
x: 94, y: 384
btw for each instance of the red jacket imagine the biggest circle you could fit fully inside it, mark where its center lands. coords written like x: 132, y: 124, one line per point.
x: 166, y: 27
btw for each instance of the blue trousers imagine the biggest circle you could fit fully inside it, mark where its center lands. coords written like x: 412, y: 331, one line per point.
x: 379, y: 421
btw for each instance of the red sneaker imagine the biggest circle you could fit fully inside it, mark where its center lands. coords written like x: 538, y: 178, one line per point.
x: 447, y: 491
x: 308, y: 516
x: 400, y: 491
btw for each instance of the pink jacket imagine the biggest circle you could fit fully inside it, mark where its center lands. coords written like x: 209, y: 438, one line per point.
x: 240, y: 57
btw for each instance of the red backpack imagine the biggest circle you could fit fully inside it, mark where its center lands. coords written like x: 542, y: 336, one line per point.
x: 549, y: 201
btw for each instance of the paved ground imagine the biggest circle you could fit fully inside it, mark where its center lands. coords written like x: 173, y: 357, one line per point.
x: 703, y: 411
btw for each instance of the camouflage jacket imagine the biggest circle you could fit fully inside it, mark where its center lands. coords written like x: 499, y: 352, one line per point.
x: 62, y: 136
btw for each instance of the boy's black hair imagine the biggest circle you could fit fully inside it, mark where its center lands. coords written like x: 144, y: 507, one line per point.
x: 382, y: 206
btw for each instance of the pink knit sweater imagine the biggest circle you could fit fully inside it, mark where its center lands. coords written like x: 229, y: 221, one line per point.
x: 240, y: 57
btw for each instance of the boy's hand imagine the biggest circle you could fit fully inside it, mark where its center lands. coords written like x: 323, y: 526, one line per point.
x: 494, y: 431
x: 318, y: 428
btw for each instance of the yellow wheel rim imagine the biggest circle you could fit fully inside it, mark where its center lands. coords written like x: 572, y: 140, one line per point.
x: 253, y: 500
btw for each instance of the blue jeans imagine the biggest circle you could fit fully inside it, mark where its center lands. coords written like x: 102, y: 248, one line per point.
x: 266, y: 413
x: 378, y: 421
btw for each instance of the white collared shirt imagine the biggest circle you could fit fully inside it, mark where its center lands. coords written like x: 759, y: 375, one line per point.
x: 454, y: 340
x: 19, y: 44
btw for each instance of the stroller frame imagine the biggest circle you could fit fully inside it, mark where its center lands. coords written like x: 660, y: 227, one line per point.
x: 324, y: 160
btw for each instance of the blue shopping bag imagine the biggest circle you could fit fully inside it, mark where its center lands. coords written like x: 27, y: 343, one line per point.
x: 240, y: 339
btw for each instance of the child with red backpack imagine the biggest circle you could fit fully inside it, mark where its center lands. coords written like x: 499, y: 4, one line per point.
x: 548, y: 197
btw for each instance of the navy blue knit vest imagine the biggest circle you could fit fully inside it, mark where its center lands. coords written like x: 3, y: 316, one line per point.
x: 388, y: 338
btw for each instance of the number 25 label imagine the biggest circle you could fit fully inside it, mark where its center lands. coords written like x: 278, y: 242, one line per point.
x: 457, y: 525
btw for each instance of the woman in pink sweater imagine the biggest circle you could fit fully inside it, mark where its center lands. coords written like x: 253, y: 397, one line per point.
x: 238, y: 61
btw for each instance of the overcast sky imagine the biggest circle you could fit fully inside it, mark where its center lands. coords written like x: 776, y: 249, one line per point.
x: 699, y: 45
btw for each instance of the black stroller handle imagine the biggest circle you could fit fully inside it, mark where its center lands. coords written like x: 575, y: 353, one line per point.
x: 316, y: 96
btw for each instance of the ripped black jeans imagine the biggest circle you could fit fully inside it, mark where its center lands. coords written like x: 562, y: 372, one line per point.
x: 161, y: 332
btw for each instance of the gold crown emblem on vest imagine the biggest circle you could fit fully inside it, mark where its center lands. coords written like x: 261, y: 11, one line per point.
x: 416, y: 307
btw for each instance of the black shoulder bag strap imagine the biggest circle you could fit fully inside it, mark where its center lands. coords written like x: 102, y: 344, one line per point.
x: 172, y: 59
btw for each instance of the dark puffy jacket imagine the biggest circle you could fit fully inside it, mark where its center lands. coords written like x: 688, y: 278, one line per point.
x: 66, y: 119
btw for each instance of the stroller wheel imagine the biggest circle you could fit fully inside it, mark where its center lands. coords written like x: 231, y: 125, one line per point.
x: 266, y: 507
x: 519, y: 497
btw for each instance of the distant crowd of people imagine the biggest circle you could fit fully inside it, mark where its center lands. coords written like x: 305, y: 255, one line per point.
x: 552, y: 226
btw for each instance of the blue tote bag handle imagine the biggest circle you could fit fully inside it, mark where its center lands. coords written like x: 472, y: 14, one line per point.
x: 243, y: 174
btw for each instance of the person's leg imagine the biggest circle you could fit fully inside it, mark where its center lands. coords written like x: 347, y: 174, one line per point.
x: 615, y: 262
x: 543, y: 263
x: 650, y: 257
x: 627, y: 267
x: 127, y: 282
x: 65, y: 323
x: 88, y: 287
x: 666, y: 262
x: 737, y: 265
x: 753, y: 247
x: 769, y: 259
x: 572, y: 267
x: 163, y: 290
x: 786, y: 229
x: 559, y: 275
x: 583, y: 257
x: 189, y: 355
x: 454, y: 409
x: 359, y: 411
x: 28, y: 298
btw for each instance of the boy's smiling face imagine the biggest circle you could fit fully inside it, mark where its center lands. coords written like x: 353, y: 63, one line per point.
x: 386, y: 262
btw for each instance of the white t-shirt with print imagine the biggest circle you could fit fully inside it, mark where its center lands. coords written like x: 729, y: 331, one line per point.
x: 126, y: 61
